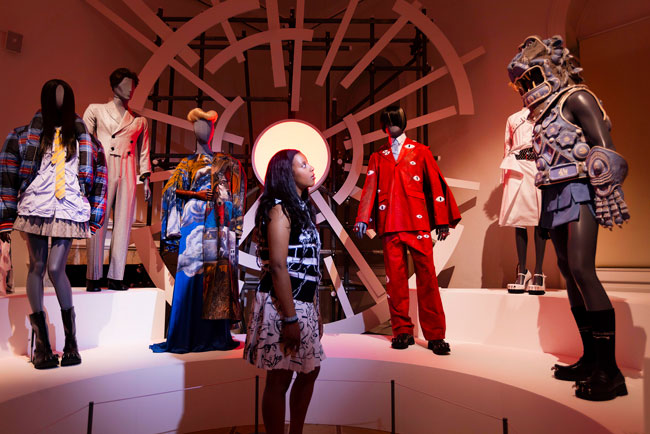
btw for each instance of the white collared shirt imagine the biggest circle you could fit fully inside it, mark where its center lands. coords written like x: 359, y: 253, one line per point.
x: 396, y: 145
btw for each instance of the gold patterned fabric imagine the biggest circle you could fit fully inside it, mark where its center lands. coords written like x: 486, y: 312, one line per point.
x: 58, y: 160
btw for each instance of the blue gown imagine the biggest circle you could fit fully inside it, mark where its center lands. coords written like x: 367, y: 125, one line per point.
x: 188, y: 331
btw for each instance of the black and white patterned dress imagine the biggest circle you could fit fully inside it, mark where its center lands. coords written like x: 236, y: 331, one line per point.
x: 264, y: 347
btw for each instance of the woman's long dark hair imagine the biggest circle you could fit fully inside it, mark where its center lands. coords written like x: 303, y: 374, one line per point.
x: 279, y: 184
x: 53, y: 116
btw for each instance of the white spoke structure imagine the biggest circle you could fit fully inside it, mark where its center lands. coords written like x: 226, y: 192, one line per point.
x: 175, y: 43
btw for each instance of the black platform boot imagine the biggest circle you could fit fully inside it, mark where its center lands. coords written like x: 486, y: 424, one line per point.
x: 584, y: 367
x: 43, y: 357
x: 70, y: 351
x: 607, y: 381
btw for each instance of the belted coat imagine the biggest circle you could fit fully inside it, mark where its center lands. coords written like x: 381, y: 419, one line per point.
x: 409, y: 194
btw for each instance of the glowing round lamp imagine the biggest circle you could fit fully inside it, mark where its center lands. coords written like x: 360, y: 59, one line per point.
x: 292, y: 134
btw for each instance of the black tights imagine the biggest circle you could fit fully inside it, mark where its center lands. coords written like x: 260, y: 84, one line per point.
x: 575, y: 247
x: 521, y: 240
x: 38, y: 263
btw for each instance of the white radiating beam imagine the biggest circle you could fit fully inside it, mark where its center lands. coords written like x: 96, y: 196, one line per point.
x: 185, y: 124
x: 255, y: 40
x: 140, y: 95
x: 157, y: 25
x: 336, y: 43
x: 249, y: 221
x: 330, y: 267
x: 163, y: 56
x: 277, y: 55
x: 357, y: 160
x: 297, y: 58
x: 410, y: 125
x: 230, y: 34
x: 376, y: 49
x: 403, y: 92
x: 374, y: 286
x: 220, y: 134
x: 446, y: 50
x: 151, y: 260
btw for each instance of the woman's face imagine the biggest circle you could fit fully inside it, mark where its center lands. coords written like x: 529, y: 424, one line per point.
x: 303, y: 172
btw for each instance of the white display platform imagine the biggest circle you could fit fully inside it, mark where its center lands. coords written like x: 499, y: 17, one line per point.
x: 486, y: 377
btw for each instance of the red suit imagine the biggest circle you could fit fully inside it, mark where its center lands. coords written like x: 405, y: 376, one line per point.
x: 403, y: 200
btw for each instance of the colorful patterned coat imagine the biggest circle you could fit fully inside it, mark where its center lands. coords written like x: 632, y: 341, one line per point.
x: 19, y: 164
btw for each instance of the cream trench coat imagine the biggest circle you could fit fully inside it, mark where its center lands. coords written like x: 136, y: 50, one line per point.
x: 522, y: 201
x: 120, y: 137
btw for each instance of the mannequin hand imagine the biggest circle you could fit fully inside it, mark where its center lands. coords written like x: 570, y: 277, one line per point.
x: 147, y: 190
x: 360, y: 229
x: 5, y: 236
x: 291, y: 337
x: 442, y: 232
x: 204, y: 195
x: 607, y: 170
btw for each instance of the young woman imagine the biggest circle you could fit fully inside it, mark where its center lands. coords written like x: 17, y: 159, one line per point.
x: 285, y: 326
x: 53, y: 183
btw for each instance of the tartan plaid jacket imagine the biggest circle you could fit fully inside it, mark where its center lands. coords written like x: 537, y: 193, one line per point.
x: 19, y: 164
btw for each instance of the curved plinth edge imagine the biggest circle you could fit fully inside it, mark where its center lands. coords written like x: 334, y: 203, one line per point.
x: 469, y: 391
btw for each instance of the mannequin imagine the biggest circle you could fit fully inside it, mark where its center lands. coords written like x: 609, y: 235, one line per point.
x: 54, y: 185
x: 404, y: 197
x: 580, y: 175
x: 200, y: 318
x: 522, y: 201
x: 120, y: 133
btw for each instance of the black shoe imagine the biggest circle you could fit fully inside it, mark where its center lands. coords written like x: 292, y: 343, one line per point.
x: 579, y: 371
x: 117, y: 285
x: 93, y: 285
x: 402, y: 341
x: 70, y: 351
x: 43, y: 358
x: 601, y: 386
x: 439, y: 347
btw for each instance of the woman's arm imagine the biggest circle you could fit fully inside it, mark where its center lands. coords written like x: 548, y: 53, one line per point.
x: 279, y: 229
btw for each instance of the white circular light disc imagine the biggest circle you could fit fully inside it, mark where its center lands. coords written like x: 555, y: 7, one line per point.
x: 292, y: 134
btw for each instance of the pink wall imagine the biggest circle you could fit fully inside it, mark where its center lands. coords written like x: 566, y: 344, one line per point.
x: 71, y: 40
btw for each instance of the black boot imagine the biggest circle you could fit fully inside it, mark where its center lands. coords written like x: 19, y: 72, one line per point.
x: 93, y: 285
x: 117, y: 285
x: 43, y: 357
x: 584, y: 367
x: 70, y: 351
x: 606, y: 382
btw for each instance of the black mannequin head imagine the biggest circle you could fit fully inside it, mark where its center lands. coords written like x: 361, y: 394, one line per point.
x: 123, y: 82
x: 58, y: 110
x: 393, y: 121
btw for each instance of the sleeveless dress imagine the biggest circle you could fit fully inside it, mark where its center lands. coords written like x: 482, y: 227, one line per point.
x: 264, y: 347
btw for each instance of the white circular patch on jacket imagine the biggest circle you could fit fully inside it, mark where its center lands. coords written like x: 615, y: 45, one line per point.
x: 417, y: 178
x: 419, y: 216
x: 382, y: 207
x: 440, y: 199
x: 412, y: 163
x: 371, y: 172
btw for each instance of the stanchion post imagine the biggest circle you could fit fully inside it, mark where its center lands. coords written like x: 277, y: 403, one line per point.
x: 392, y: 406
x: 91, y: 407
x: 505, y: 425
x: 257, y: 403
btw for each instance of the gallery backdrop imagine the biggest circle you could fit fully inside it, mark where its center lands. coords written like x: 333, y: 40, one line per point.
x: 69, y: 39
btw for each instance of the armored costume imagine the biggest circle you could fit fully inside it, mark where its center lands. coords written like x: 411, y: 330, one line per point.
x: 580, y: 175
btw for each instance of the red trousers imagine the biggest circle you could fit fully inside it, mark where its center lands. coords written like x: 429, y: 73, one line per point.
x: 430, y: 311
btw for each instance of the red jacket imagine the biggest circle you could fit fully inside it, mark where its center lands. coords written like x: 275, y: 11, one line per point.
x: 409, y: 194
